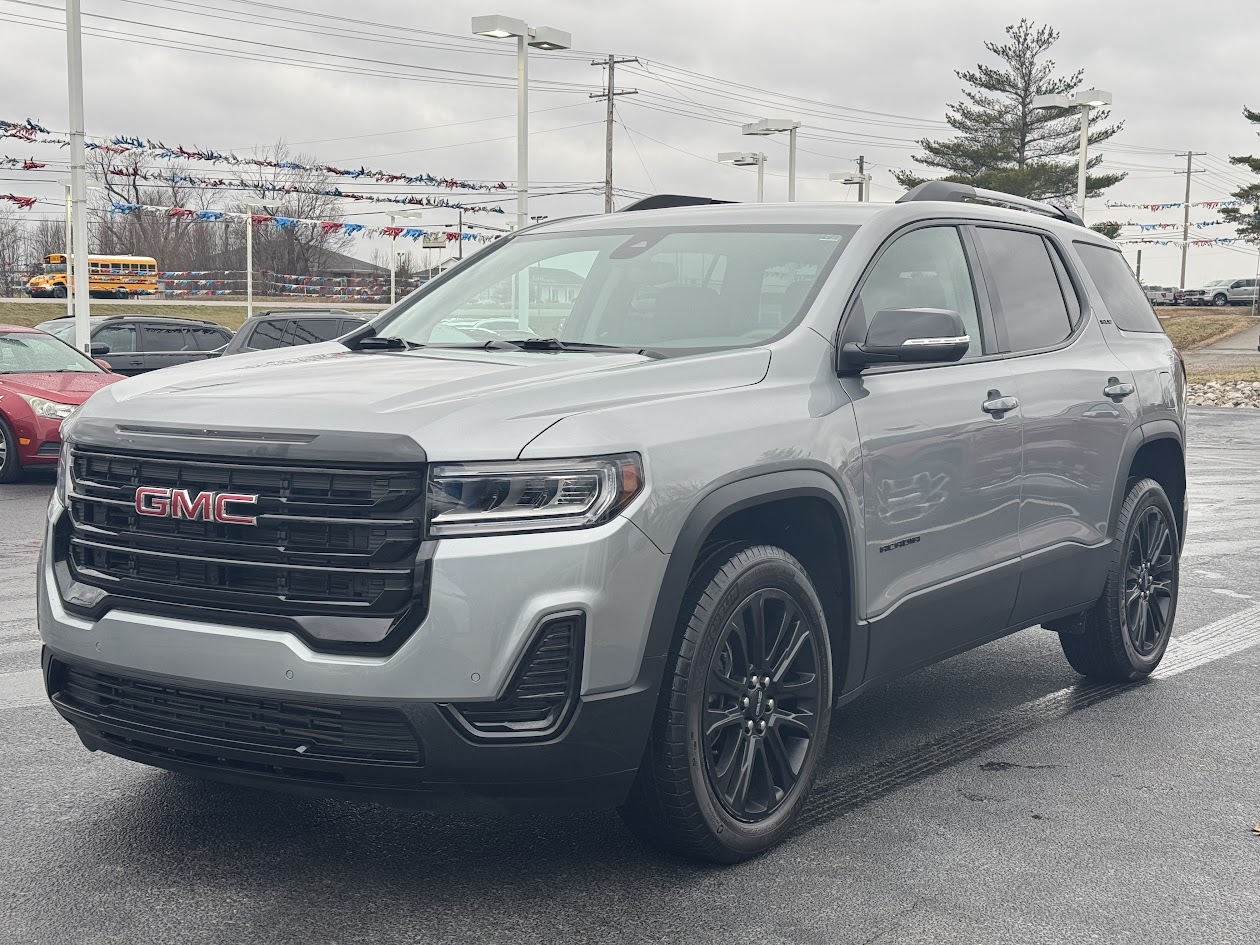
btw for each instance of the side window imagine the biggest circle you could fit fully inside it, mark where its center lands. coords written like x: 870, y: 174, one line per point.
x: 310, y: 330
x: 1126, y: 302
x: 267, y: 334
x: 1028, y: 290
x: 155, y: 337
x: 926, y: 268
x: 348, y: 325
x: 207, y: 339
x: 121, y: 339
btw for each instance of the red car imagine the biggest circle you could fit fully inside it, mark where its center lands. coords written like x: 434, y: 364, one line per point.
x: 42, y: 380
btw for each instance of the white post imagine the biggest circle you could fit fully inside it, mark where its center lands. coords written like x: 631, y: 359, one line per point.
x: 77, y: 264
x: 1080, y: 174
x: 393, y: 261
x: 522, y: 132
x: 761, y: 178
x: 249, y: 262
x: 69, y: 250
x: 792, y: 164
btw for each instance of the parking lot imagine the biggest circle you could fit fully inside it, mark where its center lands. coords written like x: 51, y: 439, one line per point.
x: 992, y: 798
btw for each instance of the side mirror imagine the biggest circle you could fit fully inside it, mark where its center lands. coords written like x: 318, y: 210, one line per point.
x: 99, y: 350
x: 101, y: 362
x: 910, y: 335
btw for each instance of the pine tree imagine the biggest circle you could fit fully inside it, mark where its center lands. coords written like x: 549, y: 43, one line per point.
x: 1003, y: 143
x: 1247, y: 217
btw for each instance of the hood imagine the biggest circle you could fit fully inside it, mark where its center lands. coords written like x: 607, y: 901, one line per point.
x: 72, y: 387
x: 457, y: 405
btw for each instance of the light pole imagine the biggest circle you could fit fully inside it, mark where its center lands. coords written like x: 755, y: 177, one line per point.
x: 863, y: 182
x: 393, y: 253
x: 70, y: 295
x: 1085, y: 100
x: 748, y: 159
x: 77, y: 263
x: 541, y: 37
x: 772, y: 126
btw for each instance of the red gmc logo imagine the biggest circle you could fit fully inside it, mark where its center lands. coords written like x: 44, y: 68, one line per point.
x: 181, y: 503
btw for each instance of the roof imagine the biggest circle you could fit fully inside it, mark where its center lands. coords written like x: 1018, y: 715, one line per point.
x: 129, y: 316
x: 290, y: 312
x: 22, y: 329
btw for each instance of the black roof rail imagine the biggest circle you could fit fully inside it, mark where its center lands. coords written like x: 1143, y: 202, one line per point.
x: 663, y: 201
x: 950, y: 191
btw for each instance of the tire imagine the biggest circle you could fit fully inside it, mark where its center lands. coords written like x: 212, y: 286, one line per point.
x: 10, y: 464
x: 59, y: 292
x: 1114, y: 647
x: 734, y: 792
x: 122, y: 294
x: 1220, y: 301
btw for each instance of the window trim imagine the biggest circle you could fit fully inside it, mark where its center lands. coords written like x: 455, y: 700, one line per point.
x: 1053, y: 246
x: 984, y: 313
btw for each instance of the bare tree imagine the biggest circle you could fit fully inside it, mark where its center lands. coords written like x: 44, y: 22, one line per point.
x: 14, y: 236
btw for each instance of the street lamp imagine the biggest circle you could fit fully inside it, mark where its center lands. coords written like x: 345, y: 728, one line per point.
x: 393, y: 252
x: 1089, y: 98
x: 541, y: 37
x: 772, y: 126
x: 863, y: 182
x: 748, y: 159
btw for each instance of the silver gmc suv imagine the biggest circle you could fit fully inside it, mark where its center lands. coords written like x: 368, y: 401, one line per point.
x: 714, y: 470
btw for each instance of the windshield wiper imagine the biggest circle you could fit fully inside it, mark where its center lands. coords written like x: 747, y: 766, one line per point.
x: 386, y: 343
x: 555, y: 344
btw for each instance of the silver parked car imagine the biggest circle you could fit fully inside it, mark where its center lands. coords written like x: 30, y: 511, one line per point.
x: 1222, y: 292
x: 773, y: 456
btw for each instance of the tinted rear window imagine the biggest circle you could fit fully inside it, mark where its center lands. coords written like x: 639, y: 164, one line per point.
x: 1126, y: 302
x: 305, y: 331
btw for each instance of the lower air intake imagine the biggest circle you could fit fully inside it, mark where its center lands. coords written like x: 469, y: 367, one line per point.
x: 543, y: 691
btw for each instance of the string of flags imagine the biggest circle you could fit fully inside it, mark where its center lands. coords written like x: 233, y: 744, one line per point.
x: 22, y: 164
x: 1209, y: 204
x: 121, y: 144
x: 292, y: 223
x: 1147, y: 227
x: 1222, y: 241
x: 23, y: 203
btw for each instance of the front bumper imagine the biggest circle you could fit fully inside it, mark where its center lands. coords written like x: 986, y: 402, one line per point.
x: 488, y: 599
x: 39, y: 440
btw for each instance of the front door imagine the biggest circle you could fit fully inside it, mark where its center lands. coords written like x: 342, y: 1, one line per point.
x: 941, y: 462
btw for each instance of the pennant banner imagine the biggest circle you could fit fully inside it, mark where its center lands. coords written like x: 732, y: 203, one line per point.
x: 1209, y: 204
x: 122, y: 144
x: 291, y: 223
x: 23, y: 203
x: 1223, y: 241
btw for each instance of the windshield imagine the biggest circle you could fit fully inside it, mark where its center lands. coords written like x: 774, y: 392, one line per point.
x: 53, y: 267
x: 62, y: 329
x: 659, y: 288
x: 29, y: 353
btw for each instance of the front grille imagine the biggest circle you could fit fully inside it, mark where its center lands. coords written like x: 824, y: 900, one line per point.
x: 260, y: 730
x: 543, y: 689
x: 327, y: 541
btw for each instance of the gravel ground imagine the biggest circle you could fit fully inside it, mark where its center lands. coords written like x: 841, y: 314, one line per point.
x: 990, y: 799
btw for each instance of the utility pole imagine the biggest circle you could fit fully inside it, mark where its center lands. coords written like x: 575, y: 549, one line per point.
x: 610, y: 96
x: 862, y: 174
x: 77, y: 260
x: 1139, y: 267
x: 1185, y: 219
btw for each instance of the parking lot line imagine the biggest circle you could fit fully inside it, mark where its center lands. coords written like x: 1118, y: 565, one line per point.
x: 834, y: 799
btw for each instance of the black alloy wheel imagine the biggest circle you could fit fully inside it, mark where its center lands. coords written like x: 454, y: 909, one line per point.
x: 1125, y: 634
x: 761, y: 704
x: 1148, y: 582
x: 744, y: 711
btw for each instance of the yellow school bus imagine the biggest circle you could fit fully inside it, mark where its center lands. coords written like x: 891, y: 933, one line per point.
x: 114, y: 277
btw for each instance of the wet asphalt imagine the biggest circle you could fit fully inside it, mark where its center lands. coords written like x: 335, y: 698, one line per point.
x: 992, y: 798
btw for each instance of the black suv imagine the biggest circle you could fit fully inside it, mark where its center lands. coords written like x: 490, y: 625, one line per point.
x: 285, y: 328
x: 134, y: 344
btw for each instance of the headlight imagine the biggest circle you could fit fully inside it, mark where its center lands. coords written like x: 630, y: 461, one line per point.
x: 49, y: 409
x: 65, y: 474
x: 541, y: 495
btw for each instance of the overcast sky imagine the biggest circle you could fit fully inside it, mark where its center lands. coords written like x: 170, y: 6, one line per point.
x: 878, y: 72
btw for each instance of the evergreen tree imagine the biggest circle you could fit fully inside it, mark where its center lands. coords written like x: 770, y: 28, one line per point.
x: 1247, y: 217
x: 1003, y: 143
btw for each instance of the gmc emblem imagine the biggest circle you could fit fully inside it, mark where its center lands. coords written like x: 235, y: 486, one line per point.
x: 181, y: 503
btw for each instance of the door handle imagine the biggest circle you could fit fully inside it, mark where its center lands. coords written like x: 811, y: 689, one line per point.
x: 998, y: 405
x: 1117, y: 389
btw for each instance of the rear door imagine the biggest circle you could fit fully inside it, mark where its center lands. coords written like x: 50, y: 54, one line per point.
x: 1078, y: 405
x: 166, y: 345
x: 265, y: 334
x: 940, y: 465
x: 306, y: 331
x: 1243, y: 291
